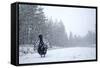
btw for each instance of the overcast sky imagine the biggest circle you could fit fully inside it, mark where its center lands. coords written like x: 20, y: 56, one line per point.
x: 76, y: 20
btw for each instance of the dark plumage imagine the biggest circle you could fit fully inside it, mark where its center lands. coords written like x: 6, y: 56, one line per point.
x: 42, y: 48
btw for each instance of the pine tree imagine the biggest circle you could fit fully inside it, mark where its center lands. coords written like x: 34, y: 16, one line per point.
x: 31, y: 23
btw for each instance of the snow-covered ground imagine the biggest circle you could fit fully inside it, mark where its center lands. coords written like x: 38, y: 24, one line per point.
x: 62, y: 54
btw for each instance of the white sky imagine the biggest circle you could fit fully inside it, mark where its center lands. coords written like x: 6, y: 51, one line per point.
x: 76, y: 20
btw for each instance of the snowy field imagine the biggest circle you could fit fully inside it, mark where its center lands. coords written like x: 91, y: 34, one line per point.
x: 62, y: 54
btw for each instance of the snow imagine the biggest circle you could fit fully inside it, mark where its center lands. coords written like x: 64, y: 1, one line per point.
x: 62, y: 54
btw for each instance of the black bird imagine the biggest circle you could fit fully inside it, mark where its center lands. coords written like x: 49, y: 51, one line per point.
x: 42, y: 48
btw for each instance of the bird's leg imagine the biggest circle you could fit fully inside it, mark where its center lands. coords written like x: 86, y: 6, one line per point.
x: 44, y: 55
x: 41, y: 56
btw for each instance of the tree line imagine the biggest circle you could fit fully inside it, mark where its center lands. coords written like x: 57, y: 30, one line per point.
x: 32, y: 22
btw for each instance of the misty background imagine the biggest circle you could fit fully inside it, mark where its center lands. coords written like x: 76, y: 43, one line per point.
x: 60, y: 26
